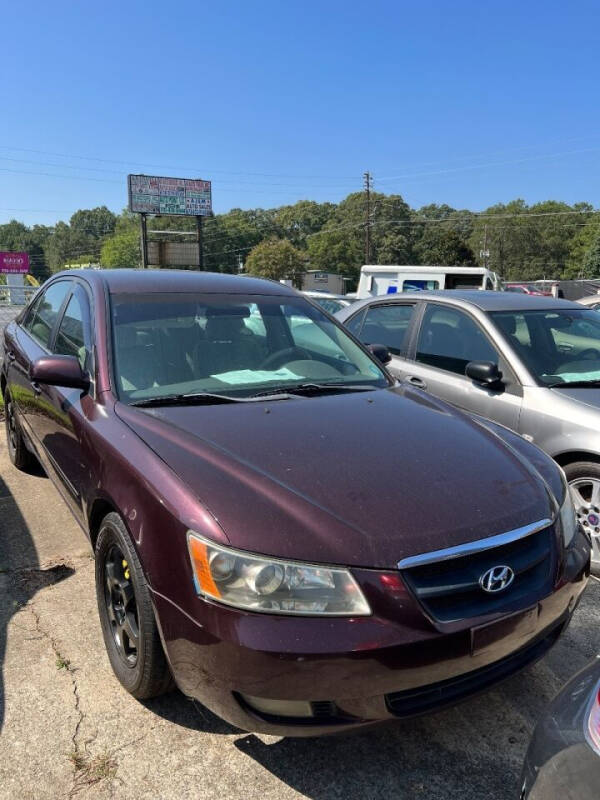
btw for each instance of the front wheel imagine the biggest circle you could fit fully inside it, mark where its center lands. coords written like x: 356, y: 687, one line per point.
x: 584, y: 483
x: 126, y: 614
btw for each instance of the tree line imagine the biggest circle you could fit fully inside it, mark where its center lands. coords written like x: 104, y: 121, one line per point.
x: 521, y: 242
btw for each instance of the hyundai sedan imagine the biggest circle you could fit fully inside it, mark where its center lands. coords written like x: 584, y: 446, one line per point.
x: 299, y: 543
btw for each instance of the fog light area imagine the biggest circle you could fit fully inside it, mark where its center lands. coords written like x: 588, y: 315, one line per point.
x: 279, y: 708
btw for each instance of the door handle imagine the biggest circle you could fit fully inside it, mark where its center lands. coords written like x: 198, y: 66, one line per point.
x: 415, y: 381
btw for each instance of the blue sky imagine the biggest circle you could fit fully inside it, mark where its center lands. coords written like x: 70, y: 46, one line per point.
x: 466, y: 103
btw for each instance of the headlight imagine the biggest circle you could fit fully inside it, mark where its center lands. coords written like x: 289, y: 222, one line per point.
x: 273, y: 586
x: 568, y: 517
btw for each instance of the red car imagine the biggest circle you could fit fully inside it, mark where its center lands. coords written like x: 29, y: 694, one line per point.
x: 302, y: 544
x: 525, y: 288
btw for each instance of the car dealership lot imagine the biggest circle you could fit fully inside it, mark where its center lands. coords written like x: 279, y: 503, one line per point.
x: 68, y: 728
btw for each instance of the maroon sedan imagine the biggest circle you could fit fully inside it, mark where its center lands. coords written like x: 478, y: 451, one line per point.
x: 301, y: 544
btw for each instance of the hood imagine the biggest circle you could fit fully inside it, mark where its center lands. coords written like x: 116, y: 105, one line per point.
x: 363, y: 479
x: 586, y: 396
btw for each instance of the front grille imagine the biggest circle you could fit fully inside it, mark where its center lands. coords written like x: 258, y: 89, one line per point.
x: 449, y: 589
x: 435, y: 695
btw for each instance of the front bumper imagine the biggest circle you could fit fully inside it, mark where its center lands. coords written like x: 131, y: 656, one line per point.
x: 355, y: 672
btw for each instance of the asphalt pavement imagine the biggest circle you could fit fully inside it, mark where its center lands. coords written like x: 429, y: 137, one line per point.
x: 68, y: 730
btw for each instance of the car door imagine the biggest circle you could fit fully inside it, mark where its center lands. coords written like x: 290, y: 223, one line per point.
x: 388, y: 324
x: 32, y: 339
x: 447, y: 340
x: 62, y: 426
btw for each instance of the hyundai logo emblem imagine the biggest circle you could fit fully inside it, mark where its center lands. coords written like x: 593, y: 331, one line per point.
x: 496, y: 579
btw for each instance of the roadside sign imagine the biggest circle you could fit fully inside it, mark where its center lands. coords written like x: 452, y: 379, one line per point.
x: 11, y: 263
x: 149, y: 194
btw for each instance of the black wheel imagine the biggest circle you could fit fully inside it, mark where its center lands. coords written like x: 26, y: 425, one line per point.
x: 584, y: 483
x: 126, y: 615
x: 17, y: 449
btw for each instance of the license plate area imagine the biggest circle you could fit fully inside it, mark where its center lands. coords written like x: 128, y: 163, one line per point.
x: 508, y: 633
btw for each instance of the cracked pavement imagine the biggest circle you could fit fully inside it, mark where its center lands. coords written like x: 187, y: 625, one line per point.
x: 68, y: 730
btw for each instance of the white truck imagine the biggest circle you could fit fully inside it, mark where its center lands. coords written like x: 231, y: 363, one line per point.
x: 377, y: 279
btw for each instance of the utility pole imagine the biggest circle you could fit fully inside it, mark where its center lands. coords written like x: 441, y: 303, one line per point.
x: 485, y: 253
x: 144, y: 241
x: 367, y: 185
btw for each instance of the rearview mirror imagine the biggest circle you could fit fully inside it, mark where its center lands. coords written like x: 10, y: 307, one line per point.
x: 485, y: 372
x: 380, y: 352
x: 59, y: 371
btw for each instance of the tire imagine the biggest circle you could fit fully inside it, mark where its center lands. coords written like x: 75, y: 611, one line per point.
x: 584, y: 481
x: 17, y: 449
x: 125, y: 608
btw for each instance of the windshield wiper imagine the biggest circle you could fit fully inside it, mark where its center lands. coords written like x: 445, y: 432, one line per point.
x: 193, y: 399
x: 314, y: 389
x: 574, y: 384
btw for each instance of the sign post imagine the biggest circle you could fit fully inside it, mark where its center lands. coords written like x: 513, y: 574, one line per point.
x: 158, y: 196
x: 14, y: 266
x: 144, y: 241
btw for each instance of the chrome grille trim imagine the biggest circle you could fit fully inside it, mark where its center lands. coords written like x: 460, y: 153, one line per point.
x: 474, y: 547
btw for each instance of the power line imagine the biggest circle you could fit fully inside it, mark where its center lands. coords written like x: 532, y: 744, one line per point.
x: 410, y: 176
x: 164, y: 166
x: 305, y: 183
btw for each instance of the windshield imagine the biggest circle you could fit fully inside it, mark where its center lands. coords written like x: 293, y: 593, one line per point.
x: 231, y: 345
x: 330, y: 304
x: 558, y: 347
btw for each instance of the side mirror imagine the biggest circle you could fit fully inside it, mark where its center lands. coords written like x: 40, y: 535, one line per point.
x: 380, y: 352
x: 484, y: 372
x: 59, y: 371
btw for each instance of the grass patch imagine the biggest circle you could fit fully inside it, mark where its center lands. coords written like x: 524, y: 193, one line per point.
x: 62, y: 663
x: 90, y: 770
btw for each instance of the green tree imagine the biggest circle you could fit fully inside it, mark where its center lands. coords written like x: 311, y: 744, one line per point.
x: 591, y: 261
x: 340, y: 245
x: 277, y: 259
x: 304, y: 218
x: 18, y: 237
x: 66, y: 244
x: 230, y: 237
x: 527, y: 242
x: 586, y: 234
x: 94, y: 222
x: 395, y: 248
x: 121, y: 250
x: 440, y: 246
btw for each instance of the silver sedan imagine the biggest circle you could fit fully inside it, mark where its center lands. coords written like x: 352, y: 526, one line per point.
x: 591, y: 301
x: 529, y: 363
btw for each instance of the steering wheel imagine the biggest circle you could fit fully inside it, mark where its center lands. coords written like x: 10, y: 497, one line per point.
x: 280, y: 357
x: 589, y: 355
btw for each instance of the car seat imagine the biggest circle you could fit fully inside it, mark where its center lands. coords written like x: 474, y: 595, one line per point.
x: 136, y: 362
x: 228, y: 345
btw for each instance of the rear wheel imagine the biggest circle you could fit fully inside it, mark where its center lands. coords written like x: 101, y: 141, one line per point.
x: 584, y: 483
x: 126, y: 614
x: 17, y: 449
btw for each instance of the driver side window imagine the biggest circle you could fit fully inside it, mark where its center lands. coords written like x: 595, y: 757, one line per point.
x: 449, y: 339
x: 73, y: 337
x: 40, y: 323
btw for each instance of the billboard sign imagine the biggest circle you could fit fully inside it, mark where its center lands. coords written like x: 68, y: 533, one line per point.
x: 11, y: 263
x: 180, y: 196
